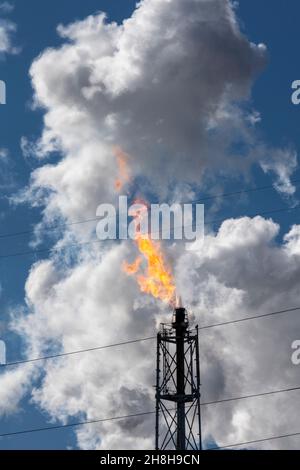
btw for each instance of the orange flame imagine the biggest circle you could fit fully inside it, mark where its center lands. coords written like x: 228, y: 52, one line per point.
x: 124, y: 173
x: 156, y: 279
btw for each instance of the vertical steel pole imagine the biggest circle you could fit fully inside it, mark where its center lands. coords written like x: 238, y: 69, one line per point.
x: 180, y: 374
x: 198, y: 386
x: 157, y: 396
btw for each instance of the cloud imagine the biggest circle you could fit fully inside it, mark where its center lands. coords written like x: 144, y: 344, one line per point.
x: 7, y: 176
x: 177, y: 118
x: 7, y: 31
x: 282, y: 162
x: 15, y: 384
x: 6, y: 7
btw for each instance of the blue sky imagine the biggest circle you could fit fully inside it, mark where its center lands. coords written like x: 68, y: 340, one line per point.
x: 276, y: 26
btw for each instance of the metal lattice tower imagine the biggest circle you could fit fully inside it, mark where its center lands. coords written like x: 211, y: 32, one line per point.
x: 178, y: 417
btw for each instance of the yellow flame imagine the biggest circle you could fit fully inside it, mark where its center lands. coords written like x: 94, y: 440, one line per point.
x: 156, y: 279
x: 133, y: 267
x: 123, y: 169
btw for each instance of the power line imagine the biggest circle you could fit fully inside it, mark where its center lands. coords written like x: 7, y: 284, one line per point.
x: 269, y: 212
x: 146, y: 413
x: 256, y: 441
x: 296, y: 182
x: 55, y: 228
x: 76, y: 245
x: 254, y: 395
x: 98, y: 348
x: 48, y: 250
x: 72, y: 353
x: 255, y: 317
x: 71, y: 425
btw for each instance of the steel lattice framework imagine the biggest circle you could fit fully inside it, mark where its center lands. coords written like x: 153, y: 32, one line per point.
x: 178, y: 382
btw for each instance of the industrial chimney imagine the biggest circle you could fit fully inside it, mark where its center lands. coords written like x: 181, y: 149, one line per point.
x: 178, y: 383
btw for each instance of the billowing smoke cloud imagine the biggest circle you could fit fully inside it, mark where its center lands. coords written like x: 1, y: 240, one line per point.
x: 164, y: 86
x: 169, y: 86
